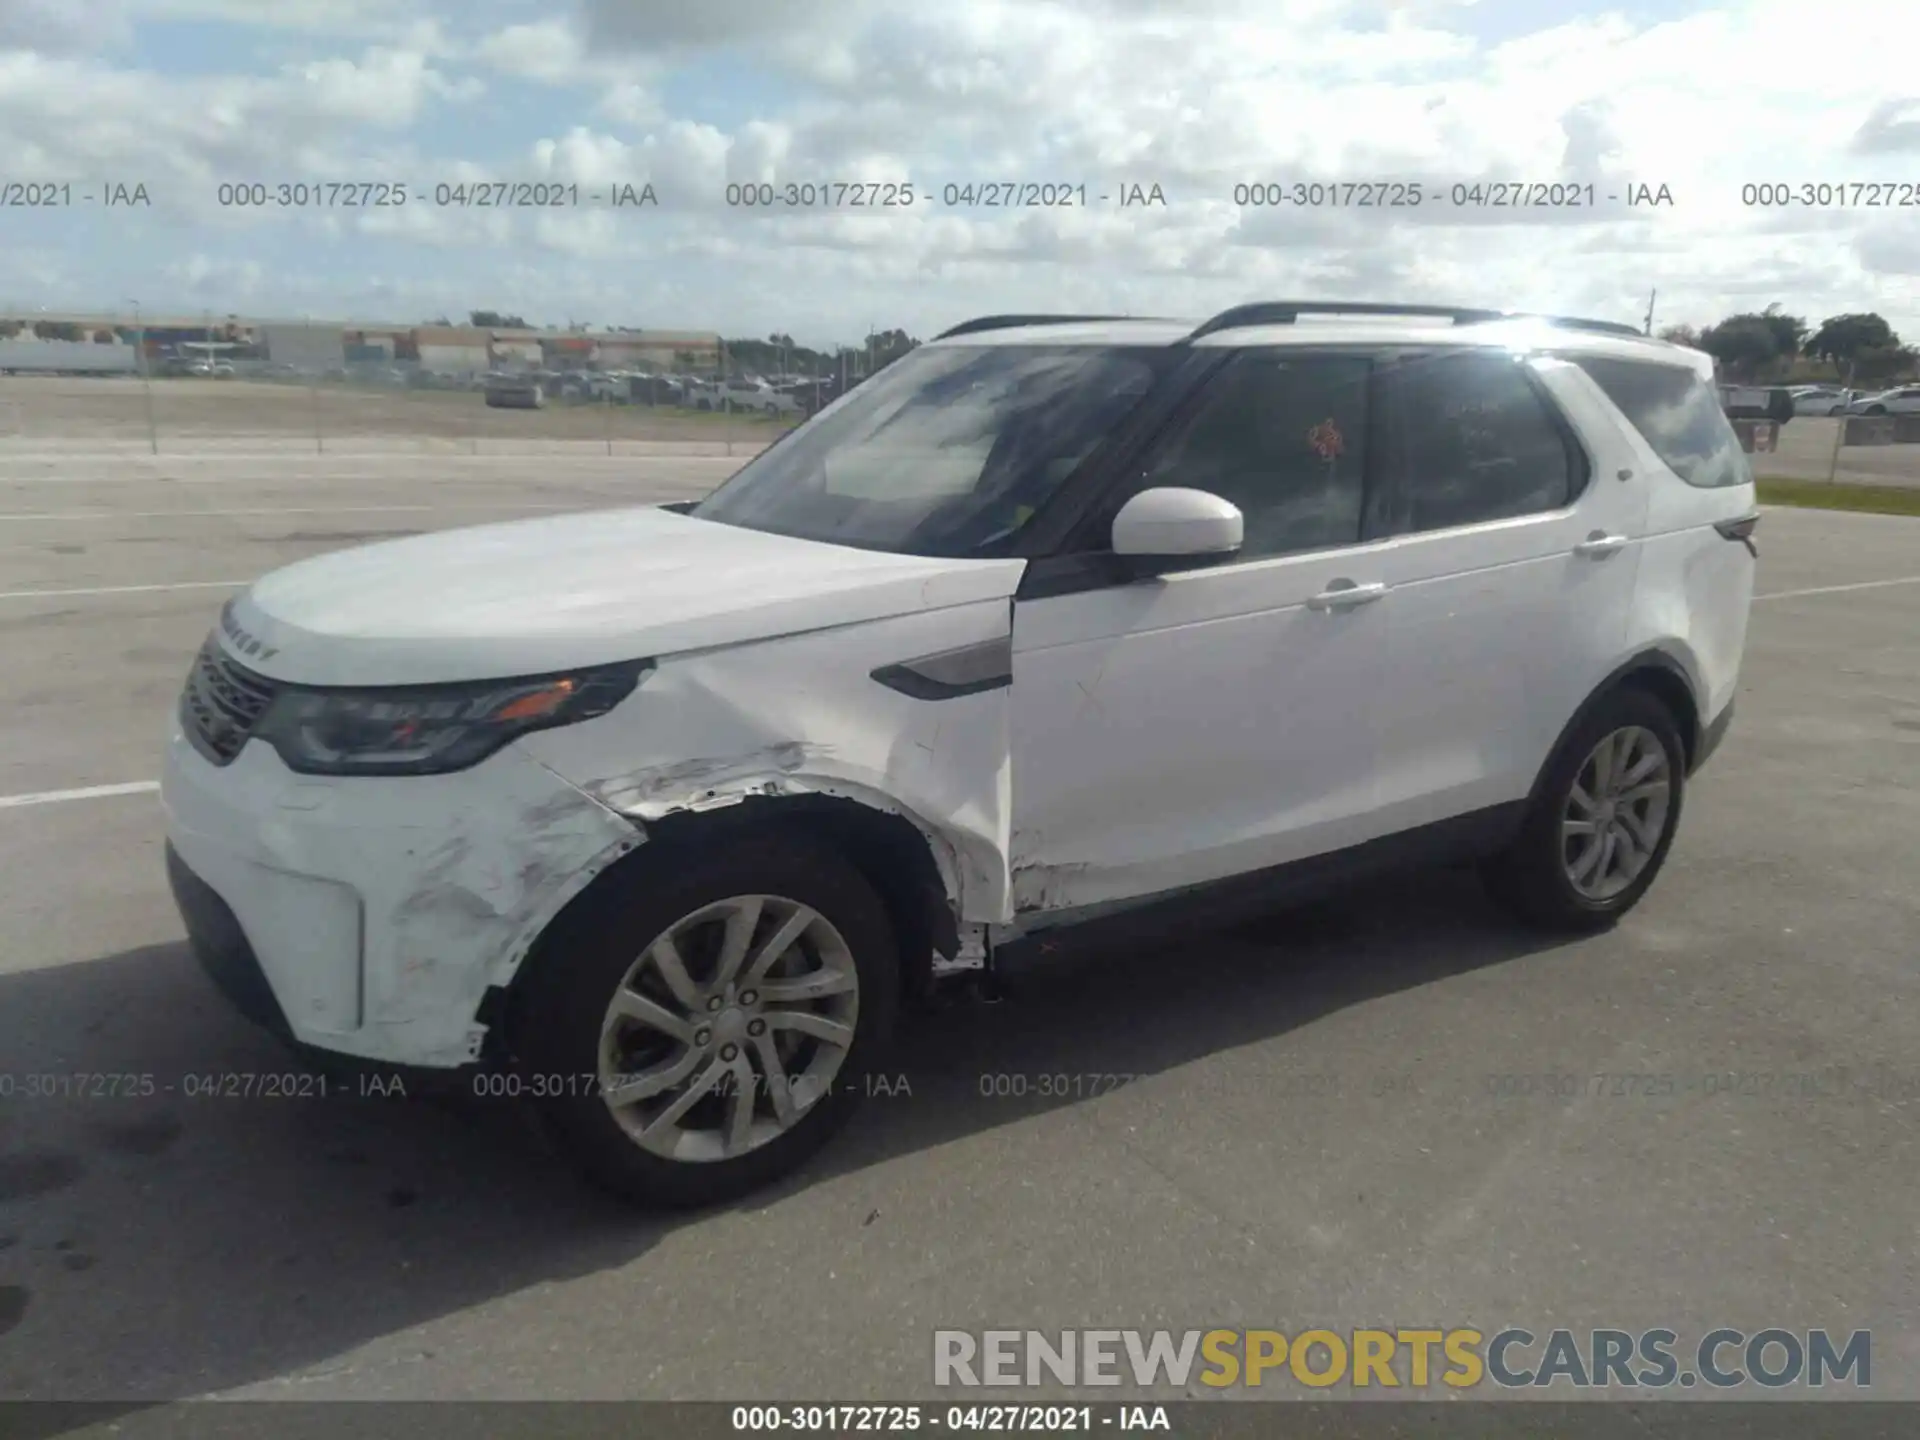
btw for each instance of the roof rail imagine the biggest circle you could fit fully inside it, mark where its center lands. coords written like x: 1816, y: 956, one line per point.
x: 1598, y: 327
x: 1010, y: 322
x: 1286, y: 312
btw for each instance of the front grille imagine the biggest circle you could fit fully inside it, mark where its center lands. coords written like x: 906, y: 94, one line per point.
x: 222, y: 703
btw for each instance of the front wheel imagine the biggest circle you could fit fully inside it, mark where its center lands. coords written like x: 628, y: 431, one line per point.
x: 1601, y: 822
x: 714, y: 1023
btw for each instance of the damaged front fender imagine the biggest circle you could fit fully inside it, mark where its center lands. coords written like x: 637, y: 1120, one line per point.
x: 803, y: 716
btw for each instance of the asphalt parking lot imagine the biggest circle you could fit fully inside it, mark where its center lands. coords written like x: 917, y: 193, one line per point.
x: 1806, y: 452
x: 1392, y: 1109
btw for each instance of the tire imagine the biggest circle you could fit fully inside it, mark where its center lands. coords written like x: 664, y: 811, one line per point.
x: 575, y: 977
x: 1876, y: 410
x: 1532, y: 878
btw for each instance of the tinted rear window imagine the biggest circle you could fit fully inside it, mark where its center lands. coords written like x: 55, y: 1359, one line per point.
x: 1679, y: 416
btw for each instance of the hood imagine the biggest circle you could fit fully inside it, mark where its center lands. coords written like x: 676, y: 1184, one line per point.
x: 530, y: 597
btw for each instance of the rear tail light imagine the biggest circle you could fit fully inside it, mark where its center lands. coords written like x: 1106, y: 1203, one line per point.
x: 1741, y: 530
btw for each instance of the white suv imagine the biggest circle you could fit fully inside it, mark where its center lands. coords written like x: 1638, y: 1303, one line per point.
x: 757, y: 395
x: 661, y: 812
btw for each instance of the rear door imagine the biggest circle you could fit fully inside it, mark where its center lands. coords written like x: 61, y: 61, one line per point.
x: 1697, y: 574
x: 1512, y: 574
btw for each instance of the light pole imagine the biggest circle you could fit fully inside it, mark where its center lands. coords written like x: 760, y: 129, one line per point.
x: 146, y: 381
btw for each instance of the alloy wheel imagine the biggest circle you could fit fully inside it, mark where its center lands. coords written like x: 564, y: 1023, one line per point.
x: 729, y: 1028
x: 1616, y: 812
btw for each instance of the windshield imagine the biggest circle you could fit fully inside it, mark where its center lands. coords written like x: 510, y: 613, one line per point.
x: 948, y: 451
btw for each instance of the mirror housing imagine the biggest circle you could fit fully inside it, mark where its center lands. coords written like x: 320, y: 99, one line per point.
x: 1170, y: 524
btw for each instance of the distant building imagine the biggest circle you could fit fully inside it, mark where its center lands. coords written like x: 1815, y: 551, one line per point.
x: 452, y: 349
x: 66, y: 357
x: 659, y: 349
x: 305, y: 347
x: 515, y: 349
x: 373, y: 347
x: 569, y: 352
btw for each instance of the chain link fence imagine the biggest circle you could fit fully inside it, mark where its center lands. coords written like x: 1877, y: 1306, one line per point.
x: 119, y: 383
x: 126, y: 384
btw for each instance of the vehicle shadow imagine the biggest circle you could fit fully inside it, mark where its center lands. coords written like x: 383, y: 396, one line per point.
x: 168, y: 1231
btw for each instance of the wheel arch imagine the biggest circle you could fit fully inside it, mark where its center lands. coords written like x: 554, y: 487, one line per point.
x: 1657, y: 670
x: 890, y: 851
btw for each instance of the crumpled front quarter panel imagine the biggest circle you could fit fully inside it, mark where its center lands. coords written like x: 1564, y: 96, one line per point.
x: 802, y: 715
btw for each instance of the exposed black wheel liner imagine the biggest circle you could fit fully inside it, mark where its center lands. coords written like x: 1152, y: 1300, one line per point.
x: 1528, y: 878
x: 563, y: 999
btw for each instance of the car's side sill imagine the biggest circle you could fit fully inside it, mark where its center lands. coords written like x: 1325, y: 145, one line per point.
x: 1222, y: 903
x: 1710, y: 738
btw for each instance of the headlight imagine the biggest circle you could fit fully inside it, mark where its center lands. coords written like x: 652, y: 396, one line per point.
x: 432, y: 729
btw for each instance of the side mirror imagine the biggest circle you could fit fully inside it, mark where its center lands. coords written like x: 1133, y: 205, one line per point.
x: 1171, y: 523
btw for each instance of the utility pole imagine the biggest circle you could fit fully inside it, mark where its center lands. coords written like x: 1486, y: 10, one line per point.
x: 1654, y: 295
x: 146, y: 381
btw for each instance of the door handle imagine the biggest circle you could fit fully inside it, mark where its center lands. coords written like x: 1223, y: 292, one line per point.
x: 1600, y: 544
x: 1345, y: 595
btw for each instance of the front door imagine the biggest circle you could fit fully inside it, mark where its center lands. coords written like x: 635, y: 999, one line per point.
x: 1220, y: 719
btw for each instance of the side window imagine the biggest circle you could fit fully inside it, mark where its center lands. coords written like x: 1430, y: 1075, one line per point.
x: 1469, y: 440
x: 1283, y: 436
x: 1677, y: 414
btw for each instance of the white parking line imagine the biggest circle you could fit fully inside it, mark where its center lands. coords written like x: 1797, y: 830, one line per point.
x: 90, y: 792
x: 1840, y: 589
x: 121, y: 589
x: 383, y: 466
x: 281, y: 510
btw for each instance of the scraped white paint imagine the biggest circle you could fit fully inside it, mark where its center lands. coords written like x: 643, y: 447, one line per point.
x: 88, y: 792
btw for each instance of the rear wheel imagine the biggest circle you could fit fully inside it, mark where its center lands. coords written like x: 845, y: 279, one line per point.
x: 1603, y: 819
x: 713, y: 1025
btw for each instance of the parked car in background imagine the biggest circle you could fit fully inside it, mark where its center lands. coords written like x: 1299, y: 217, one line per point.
x: 757, y: 396
x: 815, y: 395
x: 516, y: 392
x: 1903, y: 401
x: 1820, y: 399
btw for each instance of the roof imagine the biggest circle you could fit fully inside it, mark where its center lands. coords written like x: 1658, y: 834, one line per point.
x: 458, y: 335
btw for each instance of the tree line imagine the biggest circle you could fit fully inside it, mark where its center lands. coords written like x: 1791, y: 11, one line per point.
x: 779, y: 354
x: 56, y: 330
x: 1861, y: 348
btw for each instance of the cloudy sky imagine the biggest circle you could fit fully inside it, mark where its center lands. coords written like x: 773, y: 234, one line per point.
x: 1195, y: 97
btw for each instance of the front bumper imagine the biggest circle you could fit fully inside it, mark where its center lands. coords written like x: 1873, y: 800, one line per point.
x: 370, y: 916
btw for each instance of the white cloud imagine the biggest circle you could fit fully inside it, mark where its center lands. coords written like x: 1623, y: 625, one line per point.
x: 1195, y: 97
x: 549, y: 50
x: 60, y: 26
